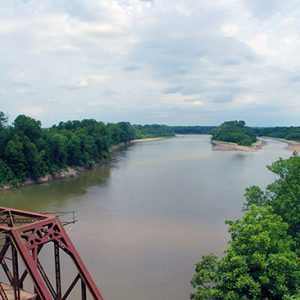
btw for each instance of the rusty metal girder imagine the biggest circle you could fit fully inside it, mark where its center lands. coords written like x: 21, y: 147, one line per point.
x: 25, y: 234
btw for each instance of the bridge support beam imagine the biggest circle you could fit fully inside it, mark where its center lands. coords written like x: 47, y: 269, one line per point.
x: 25, y: 234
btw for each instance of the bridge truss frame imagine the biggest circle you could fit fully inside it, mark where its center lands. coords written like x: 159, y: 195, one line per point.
x: 24, y: 235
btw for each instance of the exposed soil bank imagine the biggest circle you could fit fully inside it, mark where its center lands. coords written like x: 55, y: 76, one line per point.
x: 70, y: 172
x: 226, y: 146
x: 291, y: 145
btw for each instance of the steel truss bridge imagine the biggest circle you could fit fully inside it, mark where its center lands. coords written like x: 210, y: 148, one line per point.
x: 23, y: 236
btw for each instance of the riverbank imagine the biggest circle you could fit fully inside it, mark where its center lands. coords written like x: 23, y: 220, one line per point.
x: 227, y: 146
x: 119, y: 146
x: 71, y: 172
x: 147, y: 140
x: 291, y: 145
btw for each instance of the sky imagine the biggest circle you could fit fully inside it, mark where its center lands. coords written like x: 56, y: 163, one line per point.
x: 176, y: 62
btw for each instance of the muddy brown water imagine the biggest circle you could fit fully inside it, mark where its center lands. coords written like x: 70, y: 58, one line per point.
x: 146, y: 217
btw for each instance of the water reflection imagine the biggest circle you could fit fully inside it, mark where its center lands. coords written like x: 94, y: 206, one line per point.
x: 55, y: 194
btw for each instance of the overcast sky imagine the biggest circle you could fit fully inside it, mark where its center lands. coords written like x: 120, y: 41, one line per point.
x: 176, y: 62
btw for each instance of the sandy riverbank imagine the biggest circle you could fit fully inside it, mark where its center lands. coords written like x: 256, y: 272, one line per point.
x: 291, y: 145
x: 121, y: 145
x: 226, y: 146
x: 146, y: 140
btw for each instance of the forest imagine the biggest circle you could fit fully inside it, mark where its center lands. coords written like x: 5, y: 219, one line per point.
x: 289, y: 133
x: 262, y: 260
x: 238, y: 132
x: 28, y: 151
x: 234, y: 132
x: 154, y: 130
x: 192, y: 129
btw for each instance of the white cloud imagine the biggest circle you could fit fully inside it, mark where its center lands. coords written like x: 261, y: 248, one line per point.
x: 173, y: 61
x: 80, y: 84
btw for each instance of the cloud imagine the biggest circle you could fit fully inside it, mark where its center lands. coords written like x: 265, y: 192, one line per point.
x: 176, y: 62
x: 131, y: 67
x: 80, y: 84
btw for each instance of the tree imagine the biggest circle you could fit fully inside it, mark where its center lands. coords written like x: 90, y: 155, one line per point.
x: 58, y: 150
x: 259, y: 263
x: 235, y: 132
x: 28, y: 151
x: 15, y: 157
x: 254, y: 195
x: 3, y: 120
x: 28, y: 126
x: 262, y: 261
x: 283, y: 194
x: 205, y: 278
x: 289, y: 133
x: 7, y: 176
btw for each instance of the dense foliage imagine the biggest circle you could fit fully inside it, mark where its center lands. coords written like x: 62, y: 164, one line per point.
x: 283, y: 195
x: 154, y: 130
x: 234, y: 132
x: 289, y: 133
x: 262, y: 260
x: 28, y: 151
x: 193, y: 129
x: 164, y: 130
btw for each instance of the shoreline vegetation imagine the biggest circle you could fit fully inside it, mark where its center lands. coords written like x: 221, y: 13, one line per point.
x: 75, y: 171
x: 234, y: 132
x: 292, y: 146
x: 30, y: 154
x: 236, y: 136
x: 261, y: 260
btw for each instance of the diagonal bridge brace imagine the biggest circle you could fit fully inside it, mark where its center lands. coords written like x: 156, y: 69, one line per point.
x: 26, y: 233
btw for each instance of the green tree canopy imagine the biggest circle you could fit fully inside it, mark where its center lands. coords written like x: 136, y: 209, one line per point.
x: 259, y: 263
x: 262, y: 260
x: 3, y: 120
x: 289, y: 133
x: 28, y: 126
x: 28, y: 151
x: 234, y: 132
x: 283, y: 194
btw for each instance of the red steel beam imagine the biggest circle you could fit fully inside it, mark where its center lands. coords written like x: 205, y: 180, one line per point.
x: 28, y: 238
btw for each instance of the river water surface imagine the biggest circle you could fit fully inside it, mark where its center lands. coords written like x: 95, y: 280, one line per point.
x: 147, y: 216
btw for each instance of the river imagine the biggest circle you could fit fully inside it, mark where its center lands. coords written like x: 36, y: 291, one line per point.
x: 146, y: 217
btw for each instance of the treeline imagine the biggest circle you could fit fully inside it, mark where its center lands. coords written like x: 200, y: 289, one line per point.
x: 262, y: 261
x: 192, y: 129
x: 154, y: 130
x: 234, y: 132
x: 238, y: 132
x: 289, y: 133
x: 148, y: 130
x: 28, y: 151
